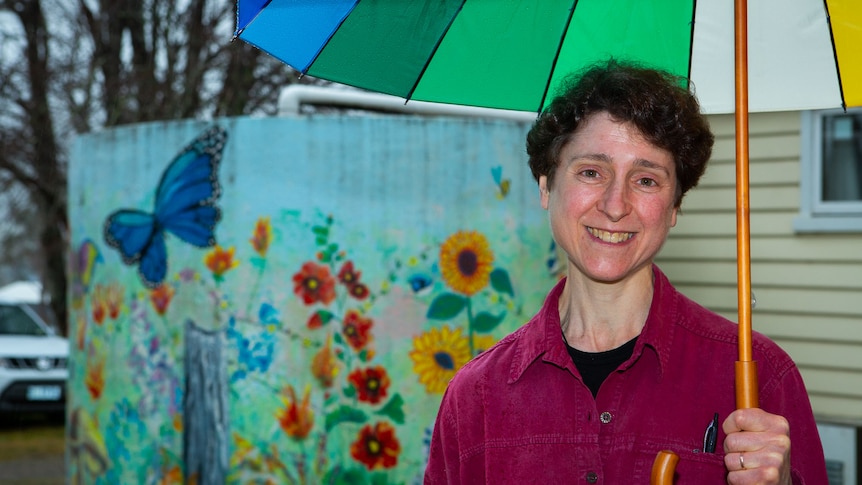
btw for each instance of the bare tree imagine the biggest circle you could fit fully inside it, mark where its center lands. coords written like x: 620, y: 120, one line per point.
x: 105, y: 63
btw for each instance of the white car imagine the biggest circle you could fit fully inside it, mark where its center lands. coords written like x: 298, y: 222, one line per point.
x: 33, y: 362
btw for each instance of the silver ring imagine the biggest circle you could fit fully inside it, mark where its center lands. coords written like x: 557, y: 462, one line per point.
x: 741, y: 462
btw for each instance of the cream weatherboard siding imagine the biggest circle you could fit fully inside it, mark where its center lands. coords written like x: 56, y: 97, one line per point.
x: 808, y: 287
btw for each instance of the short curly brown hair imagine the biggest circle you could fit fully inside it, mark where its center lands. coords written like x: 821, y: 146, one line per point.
x: 656, y: 102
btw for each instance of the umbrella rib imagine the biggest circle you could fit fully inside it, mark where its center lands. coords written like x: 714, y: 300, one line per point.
x: 317, y: 54
x: 557, y: 56
x: 835, y: 55
x: 691, y: 43
x: 433, y: 51
x: 239, y: 31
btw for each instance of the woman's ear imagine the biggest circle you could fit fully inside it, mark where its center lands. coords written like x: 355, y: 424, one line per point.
x: 544, y: 192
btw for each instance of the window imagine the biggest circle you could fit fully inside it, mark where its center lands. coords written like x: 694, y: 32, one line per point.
x: 831, y: 163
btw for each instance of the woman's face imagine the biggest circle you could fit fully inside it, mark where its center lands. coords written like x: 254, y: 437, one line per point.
x: 612, y: 203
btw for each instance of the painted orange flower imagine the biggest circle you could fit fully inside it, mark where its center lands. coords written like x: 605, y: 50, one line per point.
x: 114, y: 300
x: 376, y: 447
x: 371, y: 384
x: 99, y: 304
x: 95, y: 380
x: 296, y: 418
x: 262, y: 236
x: 220, y: 261
x: 324, y: 365
x: 357, y: 329
x: 314, y: 283
x: 161, y: 297
x: 466, y: 262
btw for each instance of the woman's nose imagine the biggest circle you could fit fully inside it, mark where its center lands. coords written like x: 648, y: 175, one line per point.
x: 615, y: 200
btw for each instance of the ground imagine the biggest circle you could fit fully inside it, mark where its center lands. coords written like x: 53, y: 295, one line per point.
x: 32, y: 450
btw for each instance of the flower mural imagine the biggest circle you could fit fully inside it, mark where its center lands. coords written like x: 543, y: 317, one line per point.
x: 377, y: 446
x: 314, y: 283
x: 371, y: 383
x: 466, y: 262
x: 296, y: 418
x: 437, y: 355
x: 220, y: 261
x: 161, y: 296
x: 332, y: 336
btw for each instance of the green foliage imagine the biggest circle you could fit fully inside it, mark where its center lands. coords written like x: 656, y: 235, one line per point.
x: 446, y: 306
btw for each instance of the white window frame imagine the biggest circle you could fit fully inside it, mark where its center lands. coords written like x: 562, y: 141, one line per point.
x: 815, y: 214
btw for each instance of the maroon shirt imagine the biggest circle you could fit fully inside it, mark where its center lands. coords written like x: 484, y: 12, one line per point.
x: 519, y: 412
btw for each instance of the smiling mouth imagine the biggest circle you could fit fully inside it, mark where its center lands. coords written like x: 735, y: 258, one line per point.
x: 610, y: 237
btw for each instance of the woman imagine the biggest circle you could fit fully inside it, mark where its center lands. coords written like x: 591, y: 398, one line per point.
x: 618, y: 365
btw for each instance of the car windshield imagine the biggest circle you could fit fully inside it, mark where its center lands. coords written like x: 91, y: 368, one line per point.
x: 15, y: 321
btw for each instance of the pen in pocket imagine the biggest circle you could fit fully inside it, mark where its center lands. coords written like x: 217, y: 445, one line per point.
x: 711, y: 435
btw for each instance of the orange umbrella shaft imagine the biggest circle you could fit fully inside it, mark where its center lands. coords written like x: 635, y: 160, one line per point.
x: 746, y: 370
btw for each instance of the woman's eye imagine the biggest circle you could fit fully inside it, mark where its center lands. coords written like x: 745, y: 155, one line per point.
x: 647, y: 182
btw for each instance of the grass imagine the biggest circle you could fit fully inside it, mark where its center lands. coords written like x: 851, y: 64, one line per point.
x: 31, y: 437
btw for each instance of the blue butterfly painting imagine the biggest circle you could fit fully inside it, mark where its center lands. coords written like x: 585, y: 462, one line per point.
x: 185, y: 206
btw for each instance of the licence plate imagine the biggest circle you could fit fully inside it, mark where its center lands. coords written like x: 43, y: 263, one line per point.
x: 44, y: 393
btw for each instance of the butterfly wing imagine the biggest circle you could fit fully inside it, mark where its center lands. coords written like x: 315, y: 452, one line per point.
x: 137, y: 237
x: 189, y: 188
x: 130, y: 232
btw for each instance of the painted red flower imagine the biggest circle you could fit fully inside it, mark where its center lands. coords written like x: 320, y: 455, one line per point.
x: 358, y: 291
x: 357, y: 329
x: 347, y: 275
x: 371, y: 384
x: 376, y: 447
x: 314, y: 283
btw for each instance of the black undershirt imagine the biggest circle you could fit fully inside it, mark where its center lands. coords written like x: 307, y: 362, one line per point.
x: 595, y: 367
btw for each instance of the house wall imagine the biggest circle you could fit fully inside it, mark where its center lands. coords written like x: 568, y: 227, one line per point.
x: 808, y: 287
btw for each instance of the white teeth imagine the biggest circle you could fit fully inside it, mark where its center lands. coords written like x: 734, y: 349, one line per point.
x: 610, y: 237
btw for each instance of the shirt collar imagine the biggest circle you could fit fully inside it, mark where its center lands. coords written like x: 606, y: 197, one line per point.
x: 541, y: 336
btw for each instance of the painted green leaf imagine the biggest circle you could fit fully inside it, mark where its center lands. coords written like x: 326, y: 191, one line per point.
x: 485, y: 322
x: 320, y: 231
x: 501, y: 282
x: 344, y: 414
x: 446, y: 306
x: 349, y: 391
x: 325, y: 316
x: 363, y: 355
x: 394, y: 409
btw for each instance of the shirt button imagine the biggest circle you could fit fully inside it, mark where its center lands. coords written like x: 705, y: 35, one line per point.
x: 592, y: 477
x: 606, y: 417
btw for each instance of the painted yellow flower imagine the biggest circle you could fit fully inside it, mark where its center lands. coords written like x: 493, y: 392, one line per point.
x: 482, y: 343
x: 437, y: 355
x: 466, y: 261
x: 262, y: 236
x: 220, y: 261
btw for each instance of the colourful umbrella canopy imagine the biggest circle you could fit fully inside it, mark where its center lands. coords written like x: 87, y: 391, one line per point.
x: 803, y: 54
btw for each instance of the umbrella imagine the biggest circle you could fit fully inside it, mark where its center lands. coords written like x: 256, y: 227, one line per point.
x: 512, y: 54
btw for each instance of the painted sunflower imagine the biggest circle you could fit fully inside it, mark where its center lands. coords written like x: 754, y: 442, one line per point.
x: 437, y: 355
x: 466, y: 261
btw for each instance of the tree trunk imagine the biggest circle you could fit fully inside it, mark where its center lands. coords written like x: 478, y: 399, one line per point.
x: 205, y: 431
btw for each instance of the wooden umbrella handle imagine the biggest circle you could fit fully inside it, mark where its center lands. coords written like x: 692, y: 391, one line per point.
x: 663, y: 468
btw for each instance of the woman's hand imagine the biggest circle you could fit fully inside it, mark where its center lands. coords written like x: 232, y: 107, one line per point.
x: 757, y: 448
